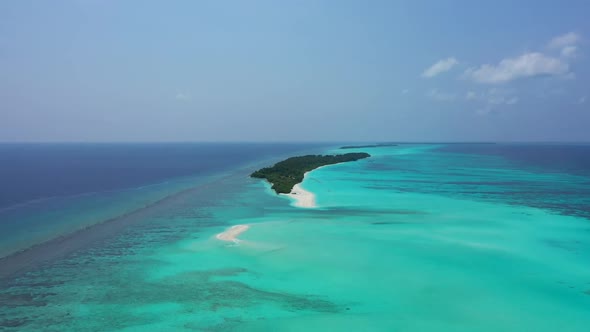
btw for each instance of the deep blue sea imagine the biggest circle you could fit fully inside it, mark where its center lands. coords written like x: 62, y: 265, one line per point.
x: 31, y: 172
x: 563, y: 187
x: 51, y: 189
x: 571, y: 158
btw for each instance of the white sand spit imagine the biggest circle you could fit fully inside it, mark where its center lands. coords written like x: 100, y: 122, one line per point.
x: 302, y: 197
x: 231, y: 234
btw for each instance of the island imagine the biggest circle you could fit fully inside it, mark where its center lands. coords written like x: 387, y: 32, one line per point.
x: 378, y: 145
x: 289, y: 172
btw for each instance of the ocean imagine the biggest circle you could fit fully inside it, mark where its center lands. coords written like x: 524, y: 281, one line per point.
x: 52, y: 189
x: 418, y: 237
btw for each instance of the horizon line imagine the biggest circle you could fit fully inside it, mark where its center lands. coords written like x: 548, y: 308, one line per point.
x: 293, y: 142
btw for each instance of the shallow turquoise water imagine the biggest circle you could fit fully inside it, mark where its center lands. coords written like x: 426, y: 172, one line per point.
x: 411, y: 239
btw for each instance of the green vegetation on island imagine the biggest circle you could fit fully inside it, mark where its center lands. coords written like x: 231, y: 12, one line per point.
x: 378, y: 145
x: 289, y: 172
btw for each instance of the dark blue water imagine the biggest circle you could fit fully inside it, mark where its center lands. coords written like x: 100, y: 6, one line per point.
x: 562, y: 158
x: 36, y: 171
x: 548, y: 176
x: 48, y: 190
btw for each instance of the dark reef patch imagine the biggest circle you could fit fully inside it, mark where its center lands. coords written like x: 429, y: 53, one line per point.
x: 388, y: 223
x: 47, y: 305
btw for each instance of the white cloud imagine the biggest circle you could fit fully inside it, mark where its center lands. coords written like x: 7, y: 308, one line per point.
x: 531, y: 64
x: 439, y: 67
x: 405, y: 91
x: 441, y: 96
x: 492, y: 99
x: 582, y: 100
x: 526, y: 65
x: 568, y: 39
x: 569, y: 51
x: 182, y: 97
x: 566, y: 44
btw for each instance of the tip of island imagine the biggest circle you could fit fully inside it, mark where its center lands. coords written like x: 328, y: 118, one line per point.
x: 285, y: 174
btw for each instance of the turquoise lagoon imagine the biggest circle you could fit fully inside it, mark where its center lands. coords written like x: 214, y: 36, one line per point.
x: 415, y: 238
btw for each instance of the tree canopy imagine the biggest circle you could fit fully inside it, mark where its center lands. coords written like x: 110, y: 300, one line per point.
x: 287, y: 173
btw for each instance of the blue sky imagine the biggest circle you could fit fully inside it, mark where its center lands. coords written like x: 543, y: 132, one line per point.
x: 91, y: 70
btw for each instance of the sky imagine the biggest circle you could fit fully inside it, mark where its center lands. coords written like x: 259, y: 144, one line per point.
x: 147, y: 71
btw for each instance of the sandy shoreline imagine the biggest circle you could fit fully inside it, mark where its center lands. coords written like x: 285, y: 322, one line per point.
x: 302, y: 197
x: 231, y: 234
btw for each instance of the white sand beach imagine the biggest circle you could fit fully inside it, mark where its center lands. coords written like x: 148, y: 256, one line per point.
x: 231, y: 234
x: 302, y: 197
